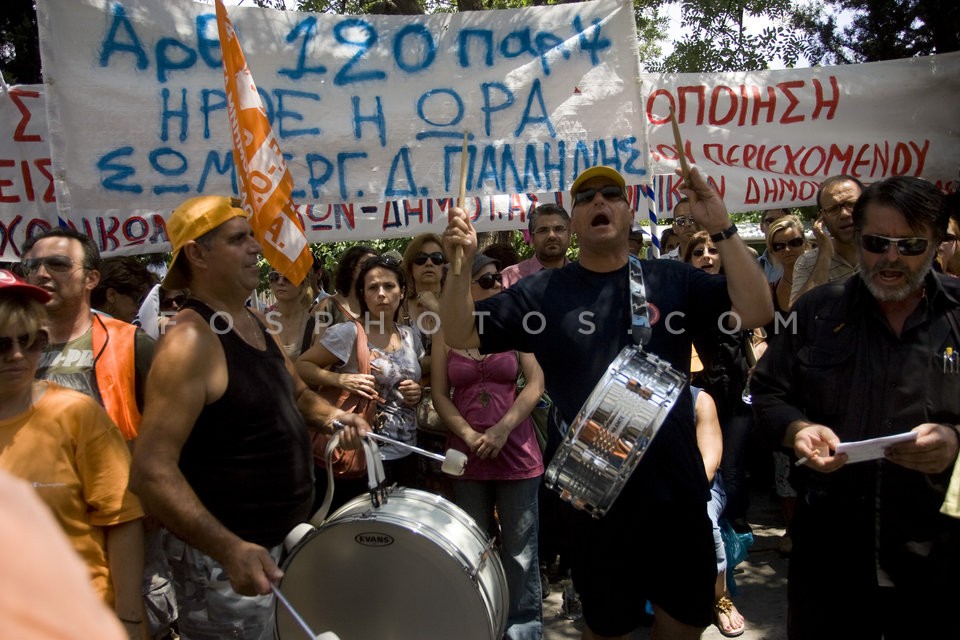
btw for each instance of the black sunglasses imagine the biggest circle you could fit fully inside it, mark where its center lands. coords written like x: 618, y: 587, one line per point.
x: 274, y: 276
x: 905, y: 246
x: 609, y: 192
x: 436, y: 258
x: 53, y: 264
x: 38, y: 343
x: 682, y: 221
x: 489, y: 280
x: 793, y: 243
x: 174, y: 303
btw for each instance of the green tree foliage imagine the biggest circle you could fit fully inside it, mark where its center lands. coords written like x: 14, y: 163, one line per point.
x: 19, y: 43
x: 716, y: 37
x: 881, y: 29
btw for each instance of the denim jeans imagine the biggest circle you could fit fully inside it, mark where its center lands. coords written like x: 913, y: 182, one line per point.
x: 515, y: 502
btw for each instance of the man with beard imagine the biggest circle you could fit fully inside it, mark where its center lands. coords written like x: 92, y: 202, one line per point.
x: 835, y: 256
x: 549, y: 227
x: 872, y: 556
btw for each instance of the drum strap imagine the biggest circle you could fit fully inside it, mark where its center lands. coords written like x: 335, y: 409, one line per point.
x: 375, y: 477
x: 640, y: 329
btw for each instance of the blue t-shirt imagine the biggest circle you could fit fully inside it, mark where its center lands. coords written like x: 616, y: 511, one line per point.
x: 577, y: 321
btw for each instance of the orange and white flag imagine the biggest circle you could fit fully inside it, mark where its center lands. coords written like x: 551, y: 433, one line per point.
x: 265, y: 181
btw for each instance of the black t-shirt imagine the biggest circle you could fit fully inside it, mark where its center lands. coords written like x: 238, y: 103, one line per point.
x: 577, y: 321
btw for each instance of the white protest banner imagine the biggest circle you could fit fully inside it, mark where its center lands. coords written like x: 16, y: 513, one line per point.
x: 768, y: 138
x: 27, y: 202
x: 369, y: 110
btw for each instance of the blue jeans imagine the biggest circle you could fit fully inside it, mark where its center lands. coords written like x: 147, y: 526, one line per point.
x: 515, y: 502
x: 715, y: 507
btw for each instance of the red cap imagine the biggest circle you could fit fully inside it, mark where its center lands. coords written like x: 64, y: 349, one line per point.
x: 10, y: 283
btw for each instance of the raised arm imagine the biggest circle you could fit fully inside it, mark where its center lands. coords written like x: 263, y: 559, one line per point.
x: 746, y: 283
x: 456, y: 303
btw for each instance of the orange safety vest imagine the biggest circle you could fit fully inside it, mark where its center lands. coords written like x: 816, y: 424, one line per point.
x: 114, y: 357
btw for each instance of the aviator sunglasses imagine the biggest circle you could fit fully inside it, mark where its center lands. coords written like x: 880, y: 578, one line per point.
x: 609, y: 192
x: 53, y: 264
x: 793, y: 243
x: 905, y: 246
x: 436, y: 258
x: 489, y: 280
x: 38, y: 343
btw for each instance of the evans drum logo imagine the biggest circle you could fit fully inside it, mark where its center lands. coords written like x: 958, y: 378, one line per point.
x: 374, y: 539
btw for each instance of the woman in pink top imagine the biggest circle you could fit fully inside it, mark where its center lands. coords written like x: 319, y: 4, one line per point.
x: 490, y: 422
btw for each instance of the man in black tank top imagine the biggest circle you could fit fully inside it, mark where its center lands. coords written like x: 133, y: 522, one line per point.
x: 224, y: 458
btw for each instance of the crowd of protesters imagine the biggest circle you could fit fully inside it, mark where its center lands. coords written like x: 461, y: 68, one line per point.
x: 165, y: 420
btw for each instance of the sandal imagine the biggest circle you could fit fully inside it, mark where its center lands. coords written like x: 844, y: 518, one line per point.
x: 724, y: 607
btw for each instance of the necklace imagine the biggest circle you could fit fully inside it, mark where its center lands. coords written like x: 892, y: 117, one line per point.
x: 481, y: 359
x: 256, y: 342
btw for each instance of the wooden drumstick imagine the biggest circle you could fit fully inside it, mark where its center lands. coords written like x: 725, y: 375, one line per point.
x: 678, y: 141
x: 461, y: 197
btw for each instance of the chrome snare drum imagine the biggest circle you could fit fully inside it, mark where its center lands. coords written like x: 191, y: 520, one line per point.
x: 415, y: 567
x: 613, y: 430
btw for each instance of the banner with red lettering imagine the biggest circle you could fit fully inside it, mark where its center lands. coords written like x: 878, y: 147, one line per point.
x: 265, y: 181
x: 370, y: 112
x: 768, y: 138
x: 27, y: 200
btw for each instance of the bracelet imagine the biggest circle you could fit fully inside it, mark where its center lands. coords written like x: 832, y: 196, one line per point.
x: 723, y: 235
x: 126, y: 621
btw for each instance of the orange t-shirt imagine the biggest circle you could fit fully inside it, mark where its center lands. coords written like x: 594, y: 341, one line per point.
x: 66, y: 446
x: 45, y: 591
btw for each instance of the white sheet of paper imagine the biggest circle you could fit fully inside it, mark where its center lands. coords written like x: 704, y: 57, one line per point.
x: 872, y: 449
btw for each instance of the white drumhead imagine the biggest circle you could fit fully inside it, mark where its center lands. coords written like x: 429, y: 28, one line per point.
x: 401, y: 571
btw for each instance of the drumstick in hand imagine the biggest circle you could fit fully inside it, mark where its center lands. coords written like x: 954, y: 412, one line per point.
x: 461, y: 197
x: 678, y: 141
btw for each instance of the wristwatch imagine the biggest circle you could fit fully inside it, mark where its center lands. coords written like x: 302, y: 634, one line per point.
x: 723, y: 235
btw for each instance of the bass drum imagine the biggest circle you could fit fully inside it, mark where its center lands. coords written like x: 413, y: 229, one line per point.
x: 416, y: 567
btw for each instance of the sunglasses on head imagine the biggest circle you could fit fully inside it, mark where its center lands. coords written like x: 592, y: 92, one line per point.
x: 793, y: 243
x: 698, y: 253
x: 174, y: 303
x: 905, y: 246
x: 489, y: 280
x: 53, y: 264
x: 436, y: 258
x: 38, y: 343
x: 609, y: 192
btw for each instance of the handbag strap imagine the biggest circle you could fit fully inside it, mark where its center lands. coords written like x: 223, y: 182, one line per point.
x: 363, y: 351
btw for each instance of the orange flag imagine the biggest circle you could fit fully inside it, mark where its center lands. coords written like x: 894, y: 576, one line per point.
x: 265, y: 181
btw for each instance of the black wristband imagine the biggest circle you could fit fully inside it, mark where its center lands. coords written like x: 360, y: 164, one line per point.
x: 723, y: 235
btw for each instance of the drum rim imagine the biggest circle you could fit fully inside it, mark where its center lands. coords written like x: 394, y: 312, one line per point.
x: 497, y: 613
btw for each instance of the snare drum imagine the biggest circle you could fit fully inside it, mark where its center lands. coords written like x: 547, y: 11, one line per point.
x: 613, y: 430
x: 416, y: 567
